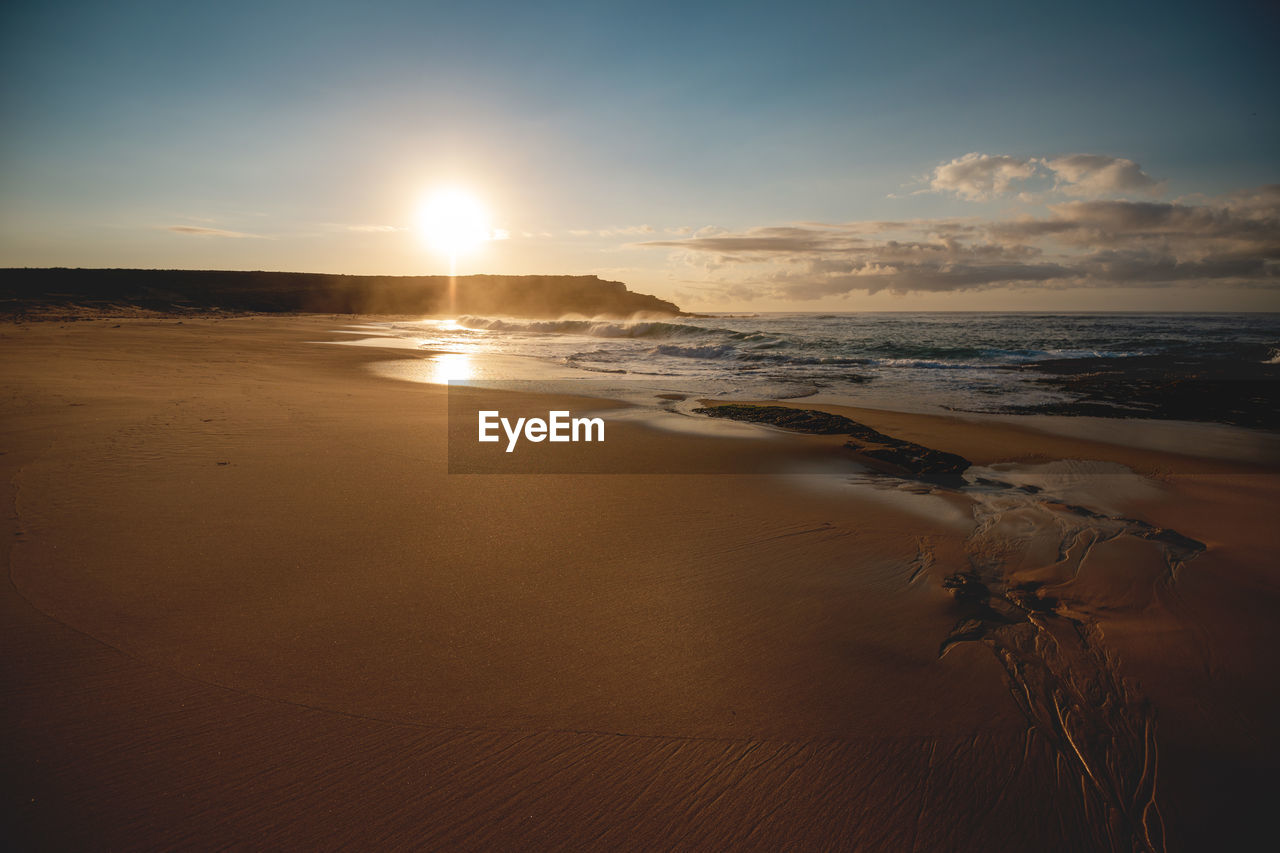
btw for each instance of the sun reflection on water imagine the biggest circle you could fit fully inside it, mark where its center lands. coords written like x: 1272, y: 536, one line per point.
x: 439, y: 369
x: 451, y: 366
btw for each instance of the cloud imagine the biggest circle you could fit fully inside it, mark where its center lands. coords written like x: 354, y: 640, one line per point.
x: 764, y: 241
x: 980, y: 176
x: 375, y: 229
x: 1232, y: 241
x: 1097, y: 174
x: 616, y: 231
x: 197, y: 231
x: 1247, y: 222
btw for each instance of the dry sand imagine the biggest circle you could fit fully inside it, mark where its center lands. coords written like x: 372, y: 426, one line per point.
x: 250, y: 608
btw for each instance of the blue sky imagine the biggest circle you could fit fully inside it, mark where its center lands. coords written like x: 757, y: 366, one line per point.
x: 303, y: 136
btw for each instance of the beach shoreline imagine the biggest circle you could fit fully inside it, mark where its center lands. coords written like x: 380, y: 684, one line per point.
x: 248, y: 605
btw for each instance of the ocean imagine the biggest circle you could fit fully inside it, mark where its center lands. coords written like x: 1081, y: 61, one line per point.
x: 1127, y: 365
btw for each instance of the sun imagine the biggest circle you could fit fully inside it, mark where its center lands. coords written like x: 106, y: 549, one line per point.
x: 454, y: 222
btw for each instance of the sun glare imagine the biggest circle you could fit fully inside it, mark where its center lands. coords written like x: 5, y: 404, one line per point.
x: 454, y: 222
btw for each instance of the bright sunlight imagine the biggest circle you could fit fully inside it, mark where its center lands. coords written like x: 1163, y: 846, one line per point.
x: 454, y: 222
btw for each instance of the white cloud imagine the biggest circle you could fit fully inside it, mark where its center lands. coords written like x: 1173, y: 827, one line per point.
x: 981, y: 176
x: 1098, y: 175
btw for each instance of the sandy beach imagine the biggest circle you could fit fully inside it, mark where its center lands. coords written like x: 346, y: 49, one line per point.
x: 249, y: 607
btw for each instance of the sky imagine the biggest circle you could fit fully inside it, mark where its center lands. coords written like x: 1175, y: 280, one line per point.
x: 727, y: 156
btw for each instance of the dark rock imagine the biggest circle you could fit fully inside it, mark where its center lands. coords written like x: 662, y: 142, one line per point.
x: 1189, y: 386
x: 883, y: 451
x: 913, y: 458
x: 966, y: 587
x: 796, y: 420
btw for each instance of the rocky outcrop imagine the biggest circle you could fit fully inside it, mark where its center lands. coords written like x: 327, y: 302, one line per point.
x: 166, y: 290
x: 893, y: 455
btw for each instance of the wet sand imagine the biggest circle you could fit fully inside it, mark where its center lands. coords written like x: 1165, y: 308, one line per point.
x: 249, y: 607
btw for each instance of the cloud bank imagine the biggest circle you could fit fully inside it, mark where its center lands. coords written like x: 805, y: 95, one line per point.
x: 1231, y: 241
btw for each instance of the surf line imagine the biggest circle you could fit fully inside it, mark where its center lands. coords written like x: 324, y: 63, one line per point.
x: 558, y: 426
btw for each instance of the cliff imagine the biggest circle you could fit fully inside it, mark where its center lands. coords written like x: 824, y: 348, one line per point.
x: 168, y: 290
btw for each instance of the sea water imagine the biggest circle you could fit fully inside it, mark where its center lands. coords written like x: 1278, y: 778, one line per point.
x: 906, y: 361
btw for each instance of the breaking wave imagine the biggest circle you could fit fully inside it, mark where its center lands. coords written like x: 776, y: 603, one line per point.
x: 591, y: 328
